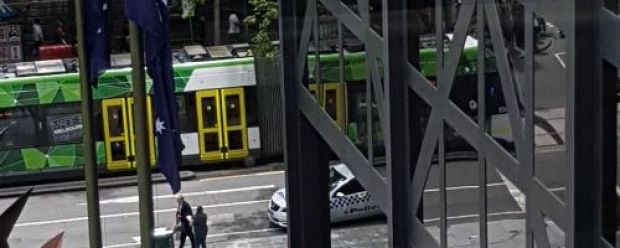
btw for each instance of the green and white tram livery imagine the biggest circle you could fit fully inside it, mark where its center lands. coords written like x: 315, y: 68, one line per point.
x: 41, y: 127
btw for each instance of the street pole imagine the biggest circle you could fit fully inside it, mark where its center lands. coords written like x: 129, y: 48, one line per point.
x: 216, y: 23
x: 90, y: 161
x: 145, y: 189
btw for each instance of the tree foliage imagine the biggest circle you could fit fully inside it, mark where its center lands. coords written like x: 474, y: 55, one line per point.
x: 263, y: 14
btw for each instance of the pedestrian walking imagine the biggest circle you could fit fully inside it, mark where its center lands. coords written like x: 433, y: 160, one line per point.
x: 184, y: 220
x: 200, y: 228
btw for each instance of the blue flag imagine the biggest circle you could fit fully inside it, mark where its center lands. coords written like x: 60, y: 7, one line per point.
x: 5, y: 10
x: 97, y: 53
x: 152, y: 17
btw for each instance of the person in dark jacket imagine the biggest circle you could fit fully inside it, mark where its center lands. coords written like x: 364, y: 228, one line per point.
x: 200, y: 228
x: 184, y: 219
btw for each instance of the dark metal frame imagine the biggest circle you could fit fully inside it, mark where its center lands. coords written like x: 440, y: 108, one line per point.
x: 592, y: 33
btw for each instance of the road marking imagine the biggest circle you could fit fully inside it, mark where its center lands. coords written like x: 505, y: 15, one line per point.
x: 135, y: 199
x: 550, y: 150
x: 242, y: 176
x: 467, y: 216
x: 120, y: 215
x: 122, y: 245
x: 466, y: 187
x: 514, y: 191
x: 267, y: 230
x: 557, y: 189
x: 557, y: 56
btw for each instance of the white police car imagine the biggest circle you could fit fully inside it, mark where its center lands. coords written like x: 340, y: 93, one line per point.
x: 348, y: 199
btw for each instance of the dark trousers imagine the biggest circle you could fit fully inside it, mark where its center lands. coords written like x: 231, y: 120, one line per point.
x: 201, y: 241
x: 187, y: 234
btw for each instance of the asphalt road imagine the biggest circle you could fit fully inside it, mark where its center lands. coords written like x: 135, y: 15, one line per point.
x: 237, y: 210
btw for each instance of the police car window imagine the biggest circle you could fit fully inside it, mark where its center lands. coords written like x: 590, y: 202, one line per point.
x: 352, y: 187
x: 334, y: 179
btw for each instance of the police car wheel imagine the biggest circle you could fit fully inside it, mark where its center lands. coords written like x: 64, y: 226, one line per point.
x: 273, y: 225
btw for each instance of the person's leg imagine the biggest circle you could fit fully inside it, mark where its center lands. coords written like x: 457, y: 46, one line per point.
x: 183, y: 236
x: 203, y: 242
x: 199, y: 242
x: 190, y: 234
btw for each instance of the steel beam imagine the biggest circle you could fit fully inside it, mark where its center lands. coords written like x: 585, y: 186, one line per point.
x: 482, y: 125
x: 305, y: 154
x: 143, y: 165
x: 90, y: 160
x: 606, y: 148
x: 396, y: 130
x: 528, y: 169
x: 580, y: 135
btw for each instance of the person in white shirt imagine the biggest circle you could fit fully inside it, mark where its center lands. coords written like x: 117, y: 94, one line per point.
x: 37, y: 33
x: 233, y: 28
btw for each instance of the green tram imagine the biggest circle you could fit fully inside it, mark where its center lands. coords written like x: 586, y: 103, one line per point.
x: 346, y: 102
x: 41, y: 127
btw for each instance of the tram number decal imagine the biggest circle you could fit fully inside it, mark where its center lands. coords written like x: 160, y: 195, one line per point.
x: 65, y: 128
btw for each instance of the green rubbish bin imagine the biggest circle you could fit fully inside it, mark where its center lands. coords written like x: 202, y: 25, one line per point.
x: 163, y: 238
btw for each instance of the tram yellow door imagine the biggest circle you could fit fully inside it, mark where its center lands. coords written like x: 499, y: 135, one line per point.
x: 222, y: 126
x: 119, y: 133
x: 209, y: 119
x: 333, y: 101
x: 149, y: 116
x: 116, y: 132
x: 235, y: 130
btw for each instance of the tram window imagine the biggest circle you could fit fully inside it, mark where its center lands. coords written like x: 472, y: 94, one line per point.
x: 17, y: 128
x: 357, y: 127
x: 250, y: 109
x: 68, y: 108
x: 98, y: 121
x: 235, y: 140
x: 233, y: 110
x: 211, y: 142
x: 209, y: 112
x: 331, y: 103
x: 115, y: 121
x: 357, y: 113
x: 186, y: 114
x: 118, y: 151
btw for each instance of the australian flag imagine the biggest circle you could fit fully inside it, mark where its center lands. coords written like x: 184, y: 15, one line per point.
x: 152, y: 17
x: 97, y: 53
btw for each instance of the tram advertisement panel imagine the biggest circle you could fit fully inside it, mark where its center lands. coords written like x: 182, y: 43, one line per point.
x: 65, y: 128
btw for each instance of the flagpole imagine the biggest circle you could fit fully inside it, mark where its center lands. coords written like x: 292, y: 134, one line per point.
x: 90, y: 161
x: 145, y: 188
